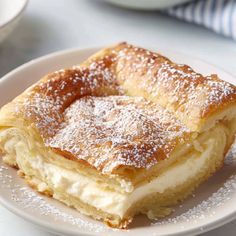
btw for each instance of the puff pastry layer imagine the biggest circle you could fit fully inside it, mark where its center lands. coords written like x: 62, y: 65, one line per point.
x: 126, y: 132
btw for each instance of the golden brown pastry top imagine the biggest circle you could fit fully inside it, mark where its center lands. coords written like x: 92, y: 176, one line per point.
x: 118, y: 131
x: 82, y: 113
x: 192, y: 97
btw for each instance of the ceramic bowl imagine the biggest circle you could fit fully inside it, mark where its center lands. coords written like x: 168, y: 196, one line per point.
x: 147, y: 4
x: 10, y: 14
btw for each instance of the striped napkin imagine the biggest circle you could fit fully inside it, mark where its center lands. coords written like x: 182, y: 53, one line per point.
x: 218, y: 15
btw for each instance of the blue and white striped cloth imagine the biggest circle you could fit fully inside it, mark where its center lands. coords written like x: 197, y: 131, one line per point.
x: 218, y: 15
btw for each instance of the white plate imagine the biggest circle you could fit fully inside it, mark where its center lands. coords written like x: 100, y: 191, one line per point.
x: 213, y: 204
x: 147, y: 4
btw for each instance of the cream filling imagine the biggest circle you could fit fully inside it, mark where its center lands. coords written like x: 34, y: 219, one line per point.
x: 90, y: 191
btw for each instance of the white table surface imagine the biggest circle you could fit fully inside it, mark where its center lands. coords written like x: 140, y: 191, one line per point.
x: 49, y: 26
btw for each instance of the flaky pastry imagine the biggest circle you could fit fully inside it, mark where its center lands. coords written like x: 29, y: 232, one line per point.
x: 126, y: 132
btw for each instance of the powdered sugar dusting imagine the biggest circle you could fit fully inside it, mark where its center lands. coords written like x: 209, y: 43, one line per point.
x: 177, y: 87
x: 118, y: 130
x: 46, y: 101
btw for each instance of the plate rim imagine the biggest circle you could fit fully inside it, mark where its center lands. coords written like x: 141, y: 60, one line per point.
x: 60, y: 230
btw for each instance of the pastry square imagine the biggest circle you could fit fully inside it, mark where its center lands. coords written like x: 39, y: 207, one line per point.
x: 126, y: 132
